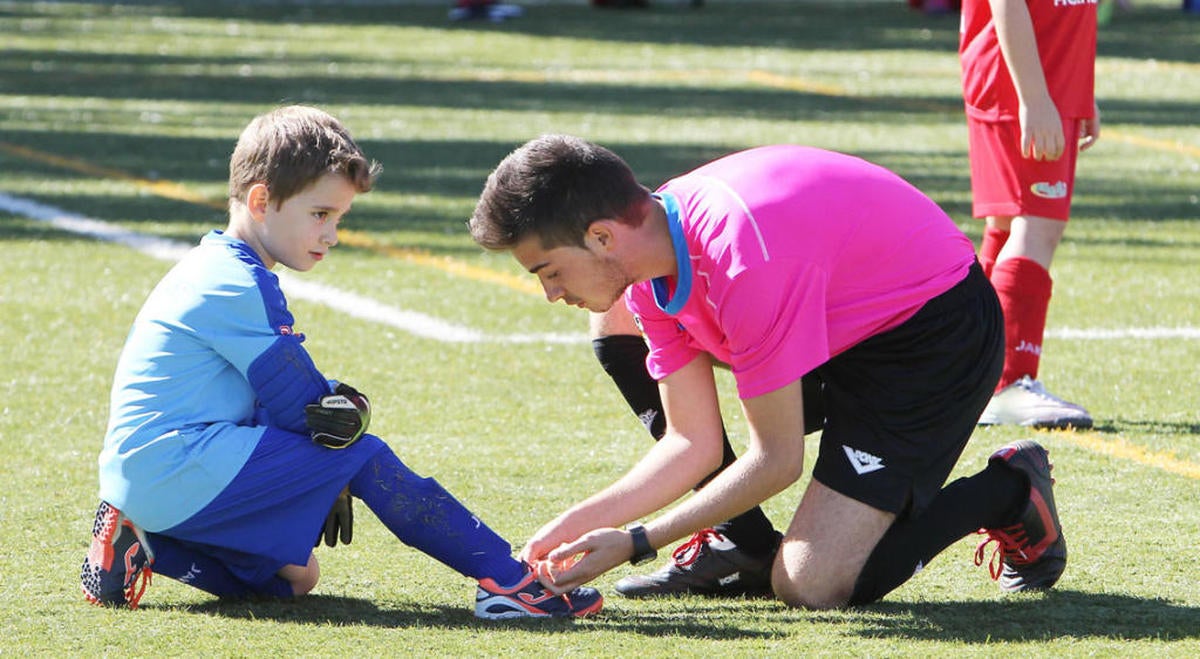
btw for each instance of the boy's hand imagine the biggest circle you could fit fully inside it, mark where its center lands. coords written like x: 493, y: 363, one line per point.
x: 337, y: 420
x: 340, y: 521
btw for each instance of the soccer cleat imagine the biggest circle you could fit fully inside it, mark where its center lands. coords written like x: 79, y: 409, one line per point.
x: 529, y: 599
x: 116, y: 570
x: 1027, y: 403
x: 1032, y: 552
x: 707, y: 564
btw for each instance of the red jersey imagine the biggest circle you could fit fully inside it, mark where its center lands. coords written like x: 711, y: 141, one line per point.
x: 1065, y: 31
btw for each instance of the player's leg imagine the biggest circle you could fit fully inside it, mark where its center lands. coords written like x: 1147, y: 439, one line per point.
x: 883, y: 473
x: 301, y: 578
x: 733, y: 558
x: 825, y: 547
x: 423, y: 515
x: 204, y: 568
x: 1012, y: 497
x: 996, y: 231
x: 1027, y: 205
x: 262, y: 525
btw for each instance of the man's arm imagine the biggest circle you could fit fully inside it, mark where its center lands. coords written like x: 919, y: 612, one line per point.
x: 774, y: 460
x: 1041, y: 127
x: 688, y: 452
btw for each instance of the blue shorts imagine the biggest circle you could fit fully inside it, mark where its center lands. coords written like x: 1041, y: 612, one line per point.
x: 271, y: 513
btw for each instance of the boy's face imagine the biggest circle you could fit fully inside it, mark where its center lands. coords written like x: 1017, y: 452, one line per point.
x: 300, y: 233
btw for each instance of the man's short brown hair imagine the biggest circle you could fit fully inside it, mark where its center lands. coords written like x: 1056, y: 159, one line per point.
x: 554, y: 187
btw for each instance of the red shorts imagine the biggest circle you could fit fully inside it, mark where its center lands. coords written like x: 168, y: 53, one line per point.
x: 1005, y: 184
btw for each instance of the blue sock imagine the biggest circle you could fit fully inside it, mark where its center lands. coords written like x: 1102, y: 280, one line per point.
x: 423, y: 515
x: 185, y: 564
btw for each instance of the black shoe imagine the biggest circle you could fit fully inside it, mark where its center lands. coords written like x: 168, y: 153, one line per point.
x: 707, y: 564
x: 1033, y: 552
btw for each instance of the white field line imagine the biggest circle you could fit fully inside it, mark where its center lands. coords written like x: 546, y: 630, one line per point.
x: 417, y: 323
x: 351, y: 304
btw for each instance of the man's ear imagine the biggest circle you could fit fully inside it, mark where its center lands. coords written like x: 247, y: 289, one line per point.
x: 601, y: 236
x: 257, y: 198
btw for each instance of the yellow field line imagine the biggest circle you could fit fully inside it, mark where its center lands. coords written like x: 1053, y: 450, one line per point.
x: 1149, y: 143
x: 171, y: 190
x: 1118, y: 447
x: 443, y: 263
x: 167, y: 189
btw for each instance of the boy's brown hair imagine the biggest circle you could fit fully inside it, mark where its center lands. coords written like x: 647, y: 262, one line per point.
x: 291, y: 147
x: 555, y: 187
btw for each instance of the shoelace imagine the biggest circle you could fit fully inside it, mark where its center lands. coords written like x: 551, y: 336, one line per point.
x: 137, y: 586
x: 1038, y: 389
x: 133, y: 594
x: 1011, y: 543
x: 688, y: 552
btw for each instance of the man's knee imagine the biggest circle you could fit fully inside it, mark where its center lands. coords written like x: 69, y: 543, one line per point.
x: 802, y: 589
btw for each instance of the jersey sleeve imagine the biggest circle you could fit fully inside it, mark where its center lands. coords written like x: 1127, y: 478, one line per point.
x: 670, y: 346
x: 253, y: 331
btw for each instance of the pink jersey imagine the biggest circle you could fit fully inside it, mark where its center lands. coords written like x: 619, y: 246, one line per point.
x: 1065, y: 31
x: 789, y: 255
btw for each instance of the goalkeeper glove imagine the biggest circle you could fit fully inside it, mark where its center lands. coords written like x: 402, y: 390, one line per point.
x: 340, y: 521
x: 337, y: 420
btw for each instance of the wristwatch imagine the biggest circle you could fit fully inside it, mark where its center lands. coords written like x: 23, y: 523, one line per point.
x: 642, y: 551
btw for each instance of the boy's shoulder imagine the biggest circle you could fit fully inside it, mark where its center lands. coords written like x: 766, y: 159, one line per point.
x: 218, y: 267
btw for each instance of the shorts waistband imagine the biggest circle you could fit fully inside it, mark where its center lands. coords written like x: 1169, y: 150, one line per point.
x: 974, y: 283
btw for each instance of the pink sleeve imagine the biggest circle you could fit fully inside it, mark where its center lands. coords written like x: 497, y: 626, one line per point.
x: 670, y: 347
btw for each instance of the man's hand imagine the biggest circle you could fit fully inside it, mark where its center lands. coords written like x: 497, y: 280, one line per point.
x: 573, y: 564
x: 339, y: 419
x: 340, y: 521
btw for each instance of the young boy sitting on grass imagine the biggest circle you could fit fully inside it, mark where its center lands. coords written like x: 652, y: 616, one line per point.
x: 227, y: 449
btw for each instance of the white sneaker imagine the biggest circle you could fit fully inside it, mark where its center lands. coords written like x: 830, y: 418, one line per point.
x: 1027, y: 403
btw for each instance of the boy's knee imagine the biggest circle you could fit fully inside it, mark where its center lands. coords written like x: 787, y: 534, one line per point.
x: 302, y: 578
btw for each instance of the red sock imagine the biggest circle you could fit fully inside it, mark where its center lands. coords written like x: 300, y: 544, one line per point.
x: 993, y: 241
x: 1024, y: 289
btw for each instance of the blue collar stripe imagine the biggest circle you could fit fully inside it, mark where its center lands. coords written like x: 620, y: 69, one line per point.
x: 683, y: 285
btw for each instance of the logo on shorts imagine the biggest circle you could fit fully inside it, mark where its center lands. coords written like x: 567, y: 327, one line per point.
x: 191, y: 575
x: 863, y: 462
x: 1049, y: 190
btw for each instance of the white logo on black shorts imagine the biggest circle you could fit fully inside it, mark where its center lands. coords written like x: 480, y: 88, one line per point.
x: 863, y: 462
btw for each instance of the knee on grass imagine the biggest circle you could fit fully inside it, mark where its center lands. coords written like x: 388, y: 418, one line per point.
x: 803, y: 592
x: 303, y: 578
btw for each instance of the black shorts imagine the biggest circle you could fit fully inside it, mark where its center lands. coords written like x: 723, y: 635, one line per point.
x: 900, y: 406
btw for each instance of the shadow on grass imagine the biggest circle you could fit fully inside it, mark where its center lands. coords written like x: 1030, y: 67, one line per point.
x: 1045, y: 616
x: 1185, y: 429
x: 1034, y: 617
x: 349, y: 611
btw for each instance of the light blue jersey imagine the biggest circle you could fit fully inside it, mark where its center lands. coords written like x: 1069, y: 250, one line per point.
x: 210, y: 361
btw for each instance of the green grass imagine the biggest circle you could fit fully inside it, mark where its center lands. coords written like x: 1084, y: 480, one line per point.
x: 98, y: 101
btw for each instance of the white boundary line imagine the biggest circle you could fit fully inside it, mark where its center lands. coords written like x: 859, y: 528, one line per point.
x: 351, y: 304
x: 1147, y: 333
x: 417, y: 323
